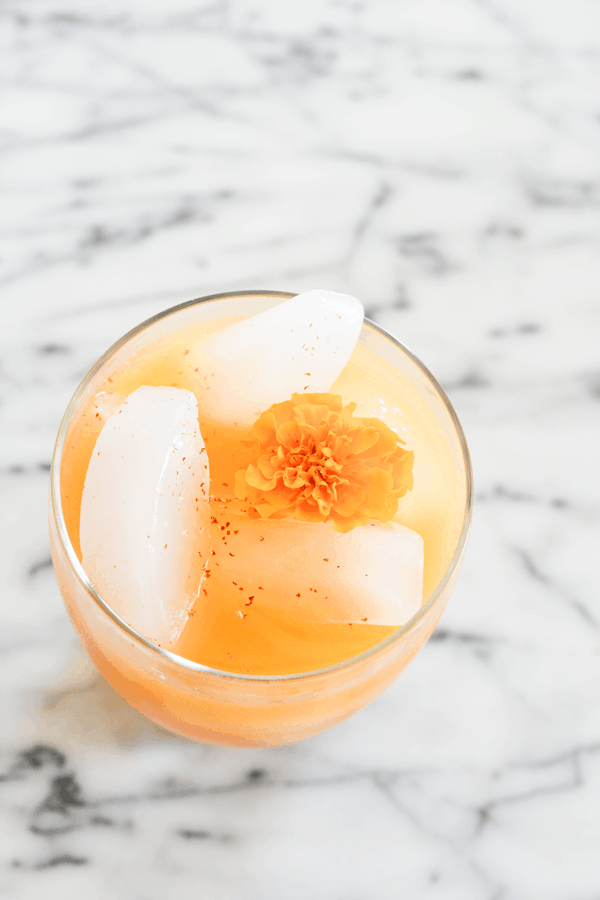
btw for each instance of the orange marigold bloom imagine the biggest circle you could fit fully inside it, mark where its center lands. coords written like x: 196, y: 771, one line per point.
x: 317, y: 462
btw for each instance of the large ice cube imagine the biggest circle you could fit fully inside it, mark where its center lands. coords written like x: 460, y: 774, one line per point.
x: 299, y: 346
x: 145, y: 513
x: 373, y: 574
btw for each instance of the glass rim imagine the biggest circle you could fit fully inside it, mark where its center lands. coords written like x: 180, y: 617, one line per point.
x: 181, y: 661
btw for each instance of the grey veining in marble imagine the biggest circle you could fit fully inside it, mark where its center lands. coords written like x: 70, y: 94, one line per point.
x: 439, y: 159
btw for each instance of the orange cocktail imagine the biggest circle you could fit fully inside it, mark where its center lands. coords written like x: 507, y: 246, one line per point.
x: 245, y: 669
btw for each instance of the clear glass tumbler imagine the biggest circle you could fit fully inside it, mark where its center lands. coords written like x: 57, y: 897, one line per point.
x: 222, y: 707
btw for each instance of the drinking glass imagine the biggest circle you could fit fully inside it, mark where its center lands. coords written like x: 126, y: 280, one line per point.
x: 222, y: 707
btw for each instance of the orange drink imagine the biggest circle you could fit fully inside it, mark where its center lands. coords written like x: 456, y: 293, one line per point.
x: 280, y: 637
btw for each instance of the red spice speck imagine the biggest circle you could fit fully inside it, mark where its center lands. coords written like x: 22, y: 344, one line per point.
x: 325, y: 559
x: 262, y: 538
x: 297, y: 595
x: 364, y: 620
x: 231, y: 554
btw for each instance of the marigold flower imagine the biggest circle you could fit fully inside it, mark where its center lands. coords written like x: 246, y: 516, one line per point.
x: 317, y: 462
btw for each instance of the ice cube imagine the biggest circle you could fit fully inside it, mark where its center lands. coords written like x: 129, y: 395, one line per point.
x: 300, y: 345
x: 373, y: 574
x: 145, y: 513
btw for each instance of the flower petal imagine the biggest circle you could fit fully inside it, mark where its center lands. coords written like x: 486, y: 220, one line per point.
x: 350, y: 497
x: 256, y: 479
x: 363, y: 439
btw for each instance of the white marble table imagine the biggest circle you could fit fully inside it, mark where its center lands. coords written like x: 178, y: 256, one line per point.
x: 441, y: 160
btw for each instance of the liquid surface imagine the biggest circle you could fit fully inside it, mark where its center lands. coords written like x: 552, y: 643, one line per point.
x: 222, y: 632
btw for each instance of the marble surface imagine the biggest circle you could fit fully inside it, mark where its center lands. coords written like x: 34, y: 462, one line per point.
x: 440, y: 159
